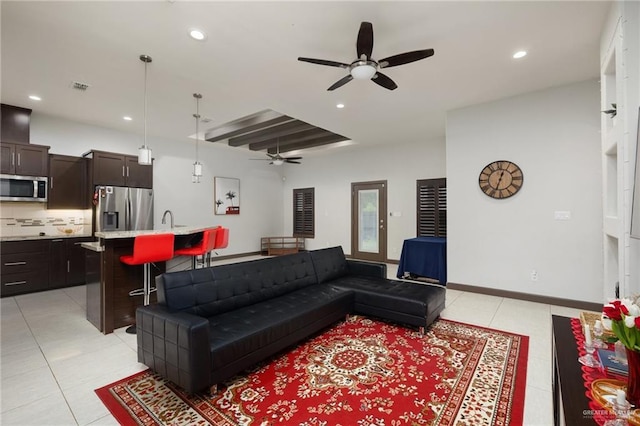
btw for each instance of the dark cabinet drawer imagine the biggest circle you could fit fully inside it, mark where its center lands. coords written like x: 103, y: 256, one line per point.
x: 29, y: 246
x: 25, y: 282
x: 24, y: 262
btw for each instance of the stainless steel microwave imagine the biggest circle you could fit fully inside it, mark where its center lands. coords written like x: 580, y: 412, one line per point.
x: 23, y: 188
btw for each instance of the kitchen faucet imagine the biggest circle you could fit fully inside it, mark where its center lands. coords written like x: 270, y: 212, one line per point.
x: 164, y: 217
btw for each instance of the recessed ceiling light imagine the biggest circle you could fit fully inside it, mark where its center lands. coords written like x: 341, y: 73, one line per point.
x: 520, y: 54
x: 340, y: 106
x: 35, y: 98
x: 127, y: 118
x: 197, y: 34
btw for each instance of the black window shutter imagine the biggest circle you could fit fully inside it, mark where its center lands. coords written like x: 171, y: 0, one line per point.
x: 432, y: 207
x: 303, y: 213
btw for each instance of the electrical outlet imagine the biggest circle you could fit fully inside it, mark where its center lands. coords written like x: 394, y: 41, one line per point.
x: 534, y: 275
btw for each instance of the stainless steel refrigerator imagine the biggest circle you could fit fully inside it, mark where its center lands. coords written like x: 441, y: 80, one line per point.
x: 123, y: 209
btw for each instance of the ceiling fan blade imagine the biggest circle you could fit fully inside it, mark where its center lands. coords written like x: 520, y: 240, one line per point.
x: 272, y: 156
x: 384, y: 81
x: 341, y: 82
x: 405, y: 58
x: 292, y: 162
x: 364, y: 45
x: 293, y: 158
x: 324, y: 62
x: 260, y: 159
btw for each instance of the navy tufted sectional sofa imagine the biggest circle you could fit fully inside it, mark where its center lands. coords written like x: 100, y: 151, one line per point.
x: 212, y: 323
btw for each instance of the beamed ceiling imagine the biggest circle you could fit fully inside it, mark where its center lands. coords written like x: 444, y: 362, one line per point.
x: 269, y: 130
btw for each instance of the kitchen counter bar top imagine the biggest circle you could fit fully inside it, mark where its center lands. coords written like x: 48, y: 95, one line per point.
x: 176, y: 230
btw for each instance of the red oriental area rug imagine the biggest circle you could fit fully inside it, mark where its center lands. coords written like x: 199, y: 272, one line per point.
x: 360, y: 372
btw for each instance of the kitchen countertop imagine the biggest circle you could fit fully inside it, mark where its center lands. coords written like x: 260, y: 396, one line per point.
x: 43, y: 237
x: 177, y: 230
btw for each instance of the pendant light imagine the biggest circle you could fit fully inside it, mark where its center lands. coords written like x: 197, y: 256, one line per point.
x: 197, y: 167
x: 144, y: 152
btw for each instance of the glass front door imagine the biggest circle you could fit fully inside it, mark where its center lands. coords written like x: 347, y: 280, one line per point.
x: 369, y: 230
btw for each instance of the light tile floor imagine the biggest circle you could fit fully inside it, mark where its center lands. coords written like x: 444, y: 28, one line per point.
x: 52, y: 358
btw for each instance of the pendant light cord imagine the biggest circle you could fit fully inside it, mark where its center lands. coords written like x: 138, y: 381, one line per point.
x: 198, y: 96
x: 145, y: 104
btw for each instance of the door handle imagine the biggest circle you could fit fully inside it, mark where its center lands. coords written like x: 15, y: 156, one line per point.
x: 13, y: 158
x: 122, y: 171
x: 18, y: 159
x: 51, y: 182
x: 68, y: 266
x: 16, y: 283
x: 127, y: 171
x: 15, y: 263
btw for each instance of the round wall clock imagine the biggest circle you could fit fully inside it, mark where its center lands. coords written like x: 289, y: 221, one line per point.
x: 501, y: 179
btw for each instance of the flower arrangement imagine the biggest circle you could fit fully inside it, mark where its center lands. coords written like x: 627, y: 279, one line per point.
x: 623, y: 318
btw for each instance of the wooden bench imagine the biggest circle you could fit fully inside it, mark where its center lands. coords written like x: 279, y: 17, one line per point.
x: 275, y: 246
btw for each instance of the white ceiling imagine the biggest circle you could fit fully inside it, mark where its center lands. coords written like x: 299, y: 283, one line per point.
x: 249, y: 61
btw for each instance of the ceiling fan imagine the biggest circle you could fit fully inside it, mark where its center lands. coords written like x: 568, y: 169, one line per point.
x: 366, y: 68
x: 277, y: 159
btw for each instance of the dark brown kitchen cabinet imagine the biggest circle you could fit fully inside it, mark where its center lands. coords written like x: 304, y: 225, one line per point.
x: 67, y: 262
x: 137, y: 175
x: 14, y: 124
x: 24, y: 159
x: 25, y: 267
x: 7, y: 158
x: 67, y: 182
x: 120, y: 170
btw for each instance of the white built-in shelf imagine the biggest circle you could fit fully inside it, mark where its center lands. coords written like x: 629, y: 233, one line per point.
x: 610, y: 146
x: 611, y: 226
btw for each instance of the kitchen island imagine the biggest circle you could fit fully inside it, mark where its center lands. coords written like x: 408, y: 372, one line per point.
x: 109, y: 281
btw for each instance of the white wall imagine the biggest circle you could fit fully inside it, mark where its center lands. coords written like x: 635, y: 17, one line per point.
x: 192, y: 204
x: 553, y: 135
x: 332, y: 173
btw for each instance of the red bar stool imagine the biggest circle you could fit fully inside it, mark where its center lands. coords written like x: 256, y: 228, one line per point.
x: 222, y: 238
x: 146, y: 250
x: 209, y: 237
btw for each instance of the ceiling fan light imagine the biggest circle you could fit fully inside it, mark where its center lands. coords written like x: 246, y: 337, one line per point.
x: 363, y: 72
x: 278, y: 162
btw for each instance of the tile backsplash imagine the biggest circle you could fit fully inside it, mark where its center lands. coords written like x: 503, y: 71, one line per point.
x: 26, y: 219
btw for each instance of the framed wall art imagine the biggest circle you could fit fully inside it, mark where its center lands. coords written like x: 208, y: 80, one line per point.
x: 226, y: 193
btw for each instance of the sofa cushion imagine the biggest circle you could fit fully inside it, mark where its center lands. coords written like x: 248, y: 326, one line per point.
x: 237, y: 333
x: 213, y: 291
x: 177, y: 290
x: 329, y: 263
x: 409, y: 298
